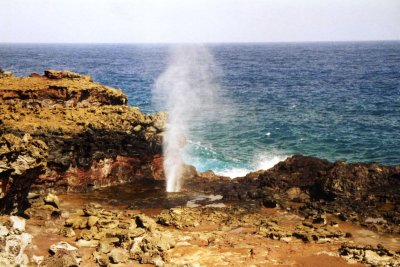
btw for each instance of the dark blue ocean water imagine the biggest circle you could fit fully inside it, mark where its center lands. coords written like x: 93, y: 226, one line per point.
x: 331, y: 100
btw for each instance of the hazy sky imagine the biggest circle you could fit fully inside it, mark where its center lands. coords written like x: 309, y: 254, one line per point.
x: 120, y: 21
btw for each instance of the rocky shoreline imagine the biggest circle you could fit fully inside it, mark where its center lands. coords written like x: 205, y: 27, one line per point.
x: 93, y: 138
x: 64, y: 139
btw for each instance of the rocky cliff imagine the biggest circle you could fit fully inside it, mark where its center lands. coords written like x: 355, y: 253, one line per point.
x: 93, y: 138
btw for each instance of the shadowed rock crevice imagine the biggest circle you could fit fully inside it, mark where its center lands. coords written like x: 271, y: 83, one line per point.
x: 22, y: 160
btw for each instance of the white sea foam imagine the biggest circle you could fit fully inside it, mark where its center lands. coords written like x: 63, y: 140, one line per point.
x: 267, y: 161
x: 263, y: 161
x: 233, y: 172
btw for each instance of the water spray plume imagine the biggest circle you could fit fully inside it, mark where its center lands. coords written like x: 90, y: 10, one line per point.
x: 187, y: 90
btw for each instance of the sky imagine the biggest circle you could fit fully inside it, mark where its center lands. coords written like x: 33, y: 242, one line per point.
x: 197, y: 21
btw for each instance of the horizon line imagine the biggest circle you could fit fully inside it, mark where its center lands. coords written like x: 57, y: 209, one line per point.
x: 198, y: 43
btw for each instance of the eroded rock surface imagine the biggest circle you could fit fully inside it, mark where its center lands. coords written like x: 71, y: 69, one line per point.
x: 57, y: 88
x: 13, y: 241
x: 362, y: 193
x: 64, y: 132
x: 371, y: 256
x: 22, y: 160
x: 94, y: 139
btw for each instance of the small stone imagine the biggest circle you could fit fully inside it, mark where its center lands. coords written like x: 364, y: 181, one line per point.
x: 286, y: 239
x: 37, y: 259
x: 137, y: 232
x: 118, y: 256
x: 67, y: 232
x: 86, y: 234
x: 52, y: 200
x: 92, y: 209
x: 76, y: 222
x: 92, y: 220
x: 87, y: 243
x: 65, y: 214
x: 102, y: 259
x: 18, y: 223
x: 158, y: 261
x: 137, y: 128
x: 3, y: 231
x: 61, y: 246
x: 126, y: 225
x: 108, y: 224
x: 143, y: 221
x: 104, y: 247
x: 62, y: 258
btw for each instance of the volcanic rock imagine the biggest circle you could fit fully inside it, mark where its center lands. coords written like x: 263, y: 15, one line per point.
x: 13, y: 242
x: 118, y: 255
x: 22, y: 160
x: 60, y: 74
x: 61, y: 246
x: 52, y: 200
x: 5, y: 74
x: 94, y: 139
x: 352, y: 191
x: 63, y: 258
x: 371, y: 256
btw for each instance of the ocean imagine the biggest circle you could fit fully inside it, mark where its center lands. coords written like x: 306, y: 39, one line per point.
x: 333, y: 100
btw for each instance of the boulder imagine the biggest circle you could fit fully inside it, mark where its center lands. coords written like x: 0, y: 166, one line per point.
x: 62, y: 258
x: 52, y: 200
x: 143, y: 221
x: 5, y: 74
x: 67, y: 232
x: 118, y: 255
x: 61, y: 74
x: 18, y: 223
x: 61, y: 246
x: 371, y: 256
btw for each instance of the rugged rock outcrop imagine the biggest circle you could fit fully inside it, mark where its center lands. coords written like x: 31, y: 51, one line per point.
x: 22, y: 160
x: 371, y: 256
x: 120, y: 237
x: 326, y: 180
x: 358, y: 192
x: 93, y: 137
x: 57, y: 88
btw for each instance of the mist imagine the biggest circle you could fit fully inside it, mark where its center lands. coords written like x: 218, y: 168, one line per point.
x: 189, y: 91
